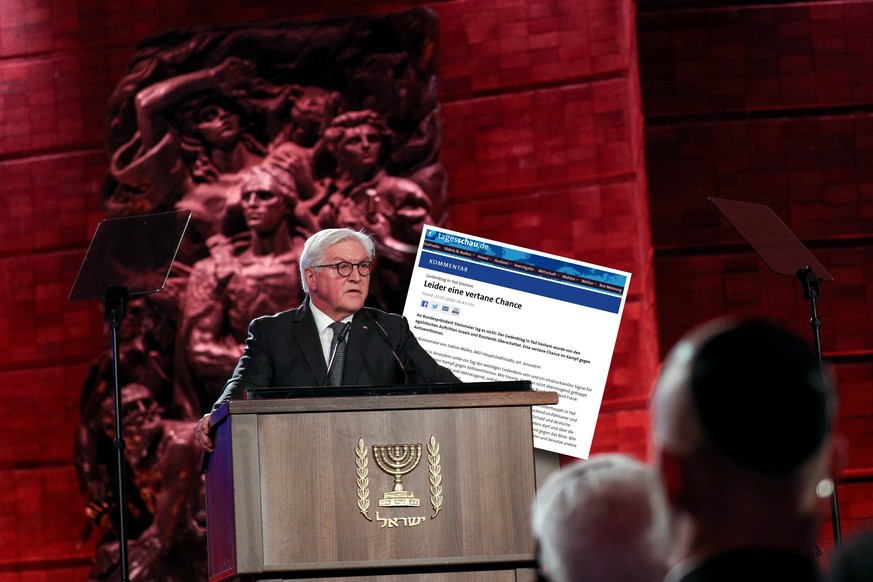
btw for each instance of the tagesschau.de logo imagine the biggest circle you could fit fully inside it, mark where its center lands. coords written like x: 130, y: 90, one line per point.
x: 458, y: 241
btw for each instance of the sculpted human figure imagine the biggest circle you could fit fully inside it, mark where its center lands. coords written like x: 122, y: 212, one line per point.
x: 163, y: 456
x: 308, y: 111
x: 189, y: 148
x: 245, y: 276
x: 361, y: 195
x: 298, y: 139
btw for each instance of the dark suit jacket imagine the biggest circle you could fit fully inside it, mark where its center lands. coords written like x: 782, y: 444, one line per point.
x: 284, y: 350
x: 853, y: 561
x: 756, y: 565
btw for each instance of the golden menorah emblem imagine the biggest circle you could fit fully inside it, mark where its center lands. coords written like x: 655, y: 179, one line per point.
x: 397, y: 461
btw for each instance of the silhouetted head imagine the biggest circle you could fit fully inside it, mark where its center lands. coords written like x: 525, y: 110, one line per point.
x: 751, y: 389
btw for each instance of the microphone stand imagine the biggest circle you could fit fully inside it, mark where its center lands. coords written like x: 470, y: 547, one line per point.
x: 114, y: 309
x: 384, y: 335
x: 812, y: 291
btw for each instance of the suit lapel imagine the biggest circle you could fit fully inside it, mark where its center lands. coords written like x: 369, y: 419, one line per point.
x: 308, y: 341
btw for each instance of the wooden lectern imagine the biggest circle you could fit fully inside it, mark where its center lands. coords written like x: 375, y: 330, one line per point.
x: 415, y: 485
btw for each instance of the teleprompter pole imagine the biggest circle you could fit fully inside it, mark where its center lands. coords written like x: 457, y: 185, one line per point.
x: 812, y: 291
x: 114, y: 309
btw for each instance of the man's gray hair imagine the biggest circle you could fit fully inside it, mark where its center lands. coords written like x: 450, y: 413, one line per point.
x: 604, y: 519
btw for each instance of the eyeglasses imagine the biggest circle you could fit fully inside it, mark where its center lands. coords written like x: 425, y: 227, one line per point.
x: 344, y: 268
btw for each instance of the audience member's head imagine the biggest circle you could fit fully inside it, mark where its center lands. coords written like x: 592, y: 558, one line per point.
x: 741, y: 418
x: 602, y: 520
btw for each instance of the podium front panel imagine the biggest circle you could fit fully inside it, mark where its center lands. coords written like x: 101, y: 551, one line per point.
x: 458, y: 501
x: 372, y: 491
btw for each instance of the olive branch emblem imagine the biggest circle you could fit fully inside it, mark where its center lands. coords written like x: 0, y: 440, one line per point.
x: 363, y: 479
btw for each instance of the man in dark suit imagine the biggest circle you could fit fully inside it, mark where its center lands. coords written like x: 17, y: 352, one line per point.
x: 296, y: 347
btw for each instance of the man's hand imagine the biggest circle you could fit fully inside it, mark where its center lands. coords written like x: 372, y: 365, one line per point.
x: 202, y: 433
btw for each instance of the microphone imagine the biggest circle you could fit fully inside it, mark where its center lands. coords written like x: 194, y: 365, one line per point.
x: 342, y: 337
x: 384, y: 335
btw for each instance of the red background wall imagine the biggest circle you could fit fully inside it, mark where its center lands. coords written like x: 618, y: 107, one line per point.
x: 767, y: 103
x: 560, y: 135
